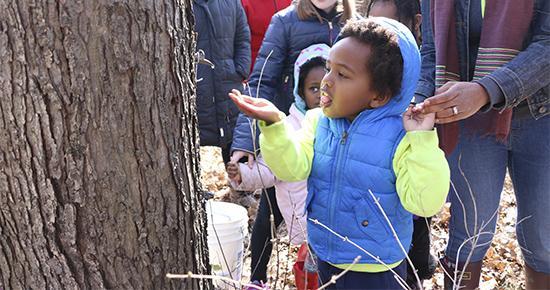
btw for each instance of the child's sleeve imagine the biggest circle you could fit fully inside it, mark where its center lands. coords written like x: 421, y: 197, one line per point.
x: 422, y: 172
x: 289, y: 153
x: 257, y: 177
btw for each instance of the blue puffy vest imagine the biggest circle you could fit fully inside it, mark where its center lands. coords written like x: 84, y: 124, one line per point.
x: 351, y: 159
x: 348, y: 161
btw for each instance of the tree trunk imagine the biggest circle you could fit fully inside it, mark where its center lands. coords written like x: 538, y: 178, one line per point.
x: 99, y: 183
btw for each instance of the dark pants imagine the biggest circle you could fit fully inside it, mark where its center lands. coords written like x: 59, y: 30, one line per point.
x: 420, y: 251
x: 260, y: 241
x: 360, y: 280
x: 226, y: 153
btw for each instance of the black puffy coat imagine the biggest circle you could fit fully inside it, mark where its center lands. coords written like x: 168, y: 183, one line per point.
x: 224, y: 36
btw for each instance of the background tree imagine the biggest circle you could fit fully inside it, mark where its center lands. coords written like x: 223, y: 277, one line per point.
x: 99, y: 166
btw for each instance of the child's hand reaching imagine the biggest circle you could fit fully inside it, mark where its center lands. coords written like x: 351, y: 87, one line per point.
x: 233, y: 172
x: 414, y: 120
x: 256, y: 108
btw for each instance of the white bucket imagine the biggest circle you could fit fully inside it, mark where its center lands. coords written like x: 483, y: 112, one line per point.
x: 227, y: 229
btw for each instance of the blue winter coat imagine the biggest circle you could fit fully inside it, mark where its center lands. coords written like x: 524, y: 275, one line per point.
x: 224, y: 36
x: 285, y: 38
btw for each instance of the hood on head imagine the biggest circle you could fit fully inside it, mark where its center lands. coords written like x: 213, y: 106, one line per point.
x: 411, y: 68
x: 308, y: 53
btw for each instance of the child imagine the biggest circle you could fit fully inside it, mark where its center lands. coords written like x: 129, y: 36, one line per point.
x: 360, y: 156
x: 408, y: 13
x: 292, y: 29
x: 309, y: 70
x: 291, y: 196
x: 405, y: 11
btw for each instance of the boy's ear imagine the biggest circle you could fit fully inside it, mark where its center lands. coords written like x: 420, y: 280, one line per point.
x: 380, y: 100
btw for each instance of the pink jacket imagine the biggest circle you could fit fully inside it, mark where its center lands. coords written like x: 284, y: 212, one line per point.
x: 291, y: 196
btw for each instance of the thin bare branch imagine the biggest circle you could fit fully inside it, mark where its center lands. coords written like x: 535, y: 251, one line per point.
x: 397, y: 238
x: 334, y: 278
x: 346, y: 239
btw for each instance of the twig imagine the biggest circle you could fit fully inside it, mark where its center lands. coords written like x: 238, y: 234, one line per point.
x: 346, y: 239
x: 253, y: 130
x: 262, y: 73
x: 334, y: 278
x: 261, y: 254
x: 397, y: 238
x: 463, y: 208
x: 523, y: 219
x: 470, y: 191
x: 475, y: 237
x: 219, y: 242
x: 276, y: 247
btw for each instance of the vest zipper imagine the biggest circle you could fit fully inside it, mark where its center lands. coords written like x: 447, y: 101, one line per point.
x: 333, y: 194
x: 330, y: 32
x: 344, y: 138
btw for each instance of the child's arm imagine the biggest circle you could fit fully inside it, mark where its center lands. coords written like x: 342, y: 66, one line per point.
x: 288, y: 153
x: 423, y: 174
x: 257, y: 177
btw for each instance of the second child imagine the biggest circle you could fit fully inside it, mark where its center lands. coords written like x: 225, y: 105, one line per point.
x: 309, y: 70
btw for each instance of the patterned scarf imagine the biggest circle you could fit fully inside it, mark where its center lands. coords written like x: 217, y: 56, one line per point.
x: 504, y: 27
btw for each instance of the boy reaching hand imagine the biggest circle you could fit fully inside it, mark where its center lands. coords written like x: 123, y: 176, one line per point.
x: 366, y: 155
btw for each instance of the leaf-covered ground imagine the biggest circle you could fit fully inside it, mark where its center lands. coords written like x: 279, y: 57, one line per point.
x: 503, y: 263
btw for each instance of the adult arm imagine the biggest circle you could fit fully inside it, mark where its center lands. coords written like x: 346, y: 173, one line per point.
x: 426, y: 84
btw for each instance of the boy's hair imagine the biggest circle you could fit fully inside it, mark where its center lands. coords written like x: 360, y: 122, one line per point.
x: 385, y: 63
x: 406, y: 11
x: 306, y: 9
x: 305, y: 69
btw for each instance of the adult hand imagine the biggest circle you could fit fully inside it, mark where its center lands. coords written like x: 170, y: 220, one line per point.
x: 256, y: 108
x: 238, y: 154
x: 454, y: 101
x: 417, y: 121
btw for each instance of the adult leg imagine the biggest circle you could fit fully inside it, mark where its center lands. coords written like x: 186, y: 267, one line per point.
x: 529, y: 168
x: 260, y: 241
x: 478, y: 167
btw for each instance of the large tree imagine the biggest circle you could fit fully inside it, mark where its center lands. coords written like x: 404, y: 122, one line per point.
x: 99, y: 164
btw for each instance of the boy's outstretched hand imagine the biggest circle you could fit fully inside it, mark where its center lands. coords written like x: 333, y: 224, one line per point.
x: 414, y: 120
x: 256, y: 108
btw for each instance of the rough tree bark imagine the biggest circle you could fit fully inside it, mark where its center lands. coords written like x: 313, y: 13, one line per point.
x: 98, y: 145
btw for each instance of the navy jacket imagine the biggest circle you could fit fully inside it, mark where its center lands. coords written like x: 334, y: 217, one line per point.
x: 224, y: 36
x: 285, y: 38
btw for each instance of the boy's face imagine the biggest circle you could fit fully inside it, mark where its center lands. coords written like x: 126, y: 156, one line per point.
x: 312, y: 86
x: 346, y: 89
